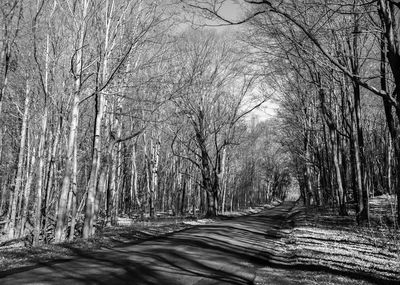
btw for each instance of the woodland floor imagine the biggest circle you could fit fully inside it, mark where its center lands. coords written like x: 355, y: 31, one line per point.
x: 278, y: 245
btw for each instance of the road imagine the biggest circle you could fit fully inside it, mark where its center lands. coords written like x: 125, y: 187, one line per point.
x: 245, y: 250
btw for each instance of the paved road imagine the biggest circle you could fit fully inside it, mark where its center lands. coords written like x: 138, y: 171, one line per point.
x: 244, y: 250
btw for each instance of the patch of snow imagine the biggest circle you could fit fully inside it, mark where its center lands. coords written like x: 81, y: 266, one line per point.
x: 198, y: 222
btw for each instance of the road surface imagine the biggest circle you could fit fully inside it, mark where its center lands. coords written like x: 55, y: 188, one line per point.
x: 244, y: 250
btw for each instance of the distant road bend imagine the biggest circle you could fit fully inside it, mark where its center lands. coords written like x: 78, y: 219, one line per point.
x: 252, y: 249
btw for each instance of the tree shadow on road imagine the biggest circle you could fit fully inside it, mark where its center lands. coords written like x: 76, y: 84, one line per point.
x: 226, y: 252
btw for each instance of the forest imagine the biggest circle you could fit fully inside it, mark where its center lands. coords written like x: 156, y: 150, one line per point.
x: 146, y: 109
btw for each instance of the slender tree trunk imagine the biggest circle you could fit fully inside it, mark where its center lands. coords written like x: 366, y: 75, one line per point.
x: 18, y: 179
x: 183, y: 196
x: 134, y: 178
x: 307, y: 174
x: 3, y: 185
x: 51, y: 170
x: 4, y: 65
x: 153, y: 171
x: 388, y: 181
x: 224, y: 186
x: 74, y: 179
x: 73, y: 213
x: 2, y: 174
x: 111, y: 211
x: 73, y: 193
x: 27, y: 191
x: 118, y: 172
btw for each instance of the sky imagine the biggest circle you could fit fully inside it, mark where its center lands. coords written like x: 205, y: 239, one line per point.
x: 232, y: 10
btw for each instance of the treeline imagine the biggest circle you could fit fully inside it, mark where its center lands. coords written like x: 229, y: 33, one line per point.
x: 336, y: 67
x: 111, y: 108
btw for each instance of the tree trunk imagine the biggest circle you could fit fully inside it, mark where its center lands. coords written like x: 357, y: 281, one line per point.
x: 27, y: 191
x: 51, y: 170
x: 332, y: 126
x: 72, y: 195
x: 207, y: 183
x: 111, y: 213
x: 96, y: 153
x: 387, y: 12
x: 307, y: 170
x: 63, y: 200
x: 363, y: 212
x: 18, y: 179
x: 340, y: 192
x: 154, y: 174
x: 134, y: 178
x: 211, y: 207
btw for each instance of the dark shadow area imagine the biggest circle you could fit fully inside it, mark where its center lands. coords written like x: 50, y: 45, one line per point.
x: 225, y: 252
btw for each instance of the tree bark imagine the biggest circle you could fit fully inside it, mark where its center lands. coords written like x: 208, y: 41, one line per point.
x: 387, y: 12
x: 72, y: 194
x: 18, y: 179
x: 63, y: 200
x: 332, y: 126
x: 90, y: 200
x: 27, y: 191
x: 134, y: 178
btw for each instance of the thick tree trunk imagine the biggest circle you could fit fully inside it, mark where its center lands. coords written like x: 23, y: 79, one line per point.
x: 357, y: 143
x: 211, y: 207
x: 63, y: 200
x: 389, y: 21
x: 330, y: 120
x: 340, y: 192
x: 88, y: 229
x: 207, y: 183
x: 96, y: 153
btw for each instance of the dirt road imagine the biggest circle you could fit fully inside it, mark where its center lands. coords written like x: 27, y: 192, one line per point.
x: 246, y: 250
